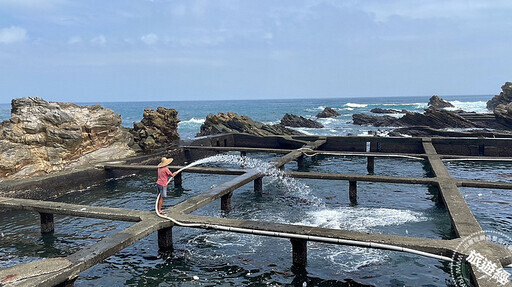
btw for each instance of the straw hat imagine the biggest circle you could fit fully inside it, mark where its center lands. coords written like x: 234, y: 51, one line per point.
x: 165, y: 162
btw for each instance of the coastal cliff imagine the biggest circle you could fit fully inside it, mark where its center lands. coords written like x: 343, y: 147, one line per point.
x: 234, y: 123
x: 157, y: 129
x: 43, y: 137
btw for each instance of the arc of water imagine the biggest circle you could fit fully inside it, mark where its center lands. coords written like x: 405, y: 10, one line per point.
x: 243, y: 160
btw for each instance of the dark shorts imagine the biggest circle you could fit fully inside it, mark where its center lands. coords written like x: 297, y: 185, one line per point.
x: 162, y: 190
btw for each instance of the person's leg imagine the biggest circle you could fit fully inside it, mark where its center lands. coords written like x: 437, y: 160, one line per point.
x: 160, y: 203
x: 163, y: 195
x: 159, y: 190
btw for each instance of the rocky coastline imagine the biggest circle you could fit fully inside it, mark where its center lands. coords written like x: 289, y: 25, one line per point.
x: 234, y: 123
x: 436, y: 119
x: 43, y: 137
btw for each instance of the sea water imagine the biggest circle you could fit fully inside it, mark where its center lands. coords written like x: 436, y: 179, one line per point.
x: 211, y: 258
x: 193, y: 113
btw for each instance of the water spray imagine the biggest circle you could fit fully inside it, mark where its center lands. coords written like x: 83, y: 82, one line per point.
x: 285, y: 234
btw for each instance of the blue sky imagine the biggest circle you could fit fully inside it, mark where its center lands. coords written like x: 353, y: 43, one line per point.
x: 88, y: 51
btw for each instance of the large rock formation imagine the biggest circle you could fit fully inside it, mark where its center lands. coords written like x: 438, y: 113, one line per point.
x: 328, y: 113
x: 387, y: 111
x: 158, y: 129
x: 234, y: 123
x: 43, y: 137
x: 437, y: 119
x: 430, y: 132
x: 433, y: 118
x: 437, y: 103
x: 376, y: 121
x: 503, y: 114
x: 299, y: 122
x: 504, y: 97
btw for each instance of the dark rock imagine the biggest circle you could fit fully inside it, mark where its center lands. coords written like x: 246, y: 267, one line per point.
x: 234, y: 123
x: 437, y: 119
x: 376, y: 121
x: 504, y: 97
x: 503, y: 114
x: 484, y: 120
x: 43, y: 137
x: 157, y: 129
x: 437, y: 103
x: 432, y: 118
x: 299, y: 122
x: 430, y: 132
x: 328, y: 113
x: 387, y: 111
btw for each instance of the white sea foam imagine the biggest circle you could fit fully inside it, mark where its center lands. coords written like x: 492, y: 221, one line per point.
x: 354, y: 105
x: 327, y: 121
x: 478, y: 106
x: 348, y: 218
x: 360, y: 219
x: 194, y: 121
x: 316, y: 109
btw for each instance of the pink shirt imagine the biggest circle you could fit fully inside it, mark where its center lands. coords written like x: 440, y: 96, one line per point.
x: 163, y: 174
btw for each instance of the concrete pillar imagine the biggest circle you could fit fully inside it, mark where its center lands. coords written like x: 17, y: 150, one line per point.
x: 299, y: 253
x: 178, y: 181
x: 481, y: 150
x: 47, y: 225
x: 352, y: 192
x: 370, y: 164
x: 300, y: 162
x: 258, y: 184
x: 165, y: 239
x: 225, y: 202
x: 188, y: 155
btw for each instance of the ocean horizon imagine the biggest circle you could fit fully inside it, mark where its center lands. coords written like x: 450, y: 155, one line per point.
x: 270, y: 111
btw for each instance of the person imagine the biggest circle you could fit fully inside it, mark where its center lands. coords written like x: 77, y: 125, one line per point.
x: 161, y: 183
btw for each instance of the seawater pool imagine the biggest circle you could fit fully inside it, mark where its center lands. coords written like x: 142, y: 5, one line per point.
x: 228, y: 259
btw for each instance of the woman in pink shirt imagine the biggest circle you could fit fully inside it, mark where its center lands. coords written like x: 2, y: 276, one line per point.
x: 161, y: 183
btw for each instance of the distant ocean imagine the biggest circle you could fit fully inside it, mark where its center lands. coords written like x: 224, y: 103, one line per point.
x: 193, y: 113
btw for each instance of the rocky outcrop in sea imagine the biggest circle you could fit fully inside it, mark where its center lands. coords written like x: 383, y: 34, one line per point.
x: 504, y: 97
x: 433, y: 118
x: 328, y: 113
x: 43, y: 137
x: 387, y: 111
x: 157, y: 129
x: 290, y: 120
x: 234, y: 123
x: 437, y: 103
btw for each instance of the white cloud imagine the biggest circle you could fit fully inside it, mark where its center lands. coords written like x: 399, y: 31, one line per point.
x: 99, y: 41
x: 425, y: 9
x: 75, y: 40
x: 12, y: 34
x: 149, y: 39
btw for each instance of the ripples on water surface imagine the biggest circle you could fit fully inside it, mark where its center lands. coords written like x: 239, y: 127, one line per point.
x: 229, y: 259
